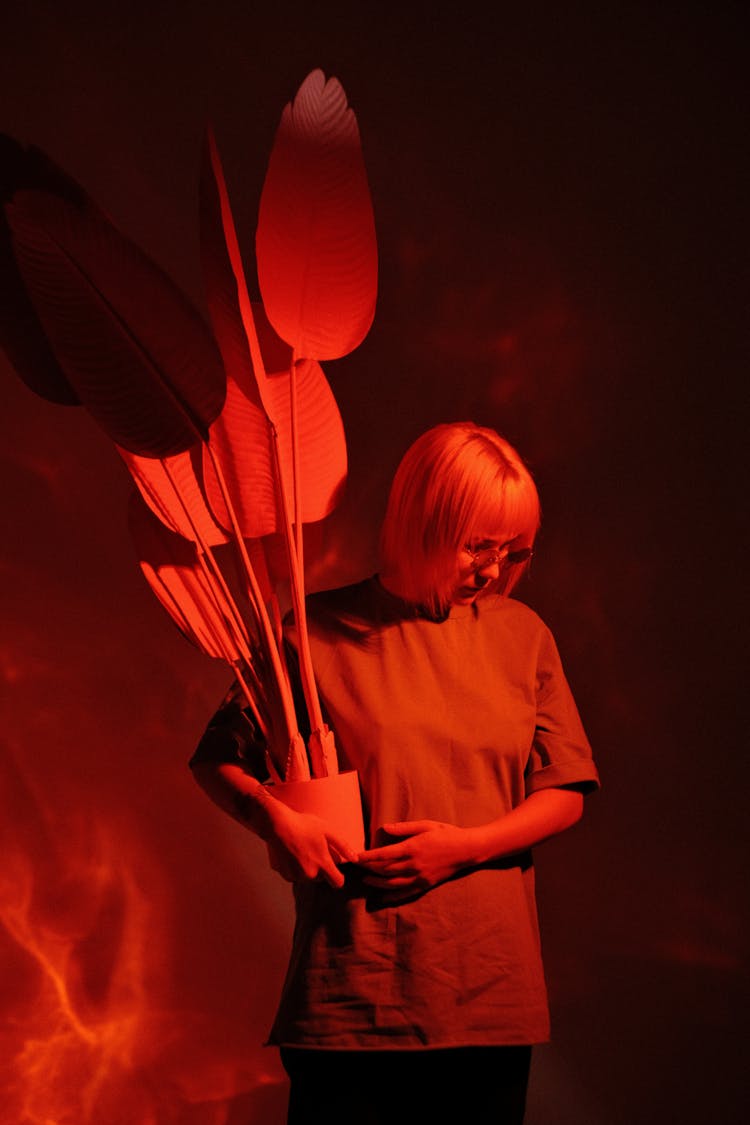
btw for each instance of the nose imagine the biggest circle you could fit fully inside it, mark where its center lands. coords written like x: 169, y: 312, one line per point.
x: 490, y: 572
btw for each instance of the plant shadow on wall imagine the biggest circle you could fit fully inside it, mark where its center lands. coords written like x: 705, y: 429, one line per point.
x: 91, y: 1032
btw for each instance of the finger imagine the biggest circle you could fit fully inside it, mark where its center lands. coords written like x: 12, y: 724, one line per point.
x: 409, y: 827
x: 329, y: 867
x: 385, y: 854
x: 405, y: 866
x: 391, y: 871
x: 392, y: 867
x: 339, y: 848
x: 384, y: 883
x: 333, y: 876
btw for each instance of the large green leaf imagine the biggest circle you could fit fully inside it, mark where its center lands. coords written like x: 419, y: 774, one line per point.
x: 259, y: 391
x: 173, y: 492
x: 315, y: 245
x: 134, y: 349
x: 171, y: 567
x: 22, y: 337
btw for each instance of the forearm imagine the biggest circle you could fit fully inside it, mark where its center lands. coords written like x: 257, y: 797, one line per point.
x: 301, y: 846
x: 432, y: 851
x: 239, y: 794
x: 540, y: 816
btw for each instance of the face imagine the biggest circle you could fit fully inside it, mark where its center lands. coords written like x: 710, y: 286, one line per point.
x: 478, y: 565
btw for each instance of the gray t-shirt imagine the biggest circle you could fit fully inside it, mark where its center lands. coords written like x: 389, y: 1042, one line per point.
x: 456, y: 720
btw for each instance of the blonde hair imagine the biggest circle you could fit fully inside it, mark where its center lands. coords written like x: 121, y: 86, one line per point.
x: 456, y: 481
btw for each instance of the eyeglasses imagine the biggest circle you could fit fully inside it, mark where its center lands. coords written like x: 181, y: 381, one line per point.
x: 488, y: 556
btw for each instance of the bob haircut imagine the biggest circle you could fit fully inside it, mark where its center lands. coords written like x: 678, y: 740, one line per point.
x: 456, y: 484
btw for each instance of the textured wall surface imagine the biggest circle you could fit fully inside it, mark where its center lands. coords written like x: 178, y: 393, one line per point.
x: 560, y: 225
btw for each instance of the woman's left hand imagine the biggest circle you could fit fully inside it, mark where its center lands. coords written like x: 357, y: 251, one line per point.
x: 431, y: 853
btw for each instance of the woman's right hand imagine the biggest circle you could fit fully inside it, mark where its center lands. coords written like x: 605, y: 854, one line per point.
x: 301, y: 847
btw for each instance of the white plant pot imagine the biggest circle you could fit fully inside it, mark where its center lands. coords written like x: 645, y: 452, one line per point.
x: 335, y: 799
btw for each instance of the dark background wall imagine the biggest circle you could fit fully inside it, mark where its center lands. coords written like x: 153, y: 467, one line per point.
x: 560, y: 208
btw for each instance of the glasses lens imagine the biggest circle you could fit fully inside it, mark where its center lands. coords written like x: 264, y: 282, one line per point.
x: 488, y: 556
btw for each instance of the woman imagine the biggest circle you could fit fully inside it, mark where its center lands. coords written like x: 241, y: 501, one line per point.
x: 415, y: 988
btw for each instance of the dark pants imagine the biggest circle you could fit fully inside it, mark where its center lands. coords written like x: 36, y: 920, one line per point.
x: 463, y: 1085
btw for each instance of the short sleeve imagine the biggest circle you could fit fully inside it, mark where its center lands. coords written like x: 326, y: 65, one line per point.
x: 232, y: 736
x: 560, y: 754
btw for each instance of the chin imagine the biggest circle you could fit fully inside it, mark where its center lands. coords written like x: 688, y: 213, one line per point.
x: 465, y: 597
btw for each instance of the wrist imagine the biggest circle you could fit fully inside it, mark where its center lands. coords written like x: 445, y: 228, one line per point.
x: 474, y: 846
x: 259, y: 811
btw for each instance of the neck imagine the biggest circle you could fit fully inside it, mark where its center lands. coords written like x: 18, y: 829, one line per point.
x: 390, y: 580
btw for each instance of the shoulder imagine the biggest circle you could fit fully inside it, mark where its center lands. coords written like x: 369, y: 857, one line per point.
x: 517, y: 615
x: 343, y: 599
x: 522, y: 626
x: 345, y: 611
